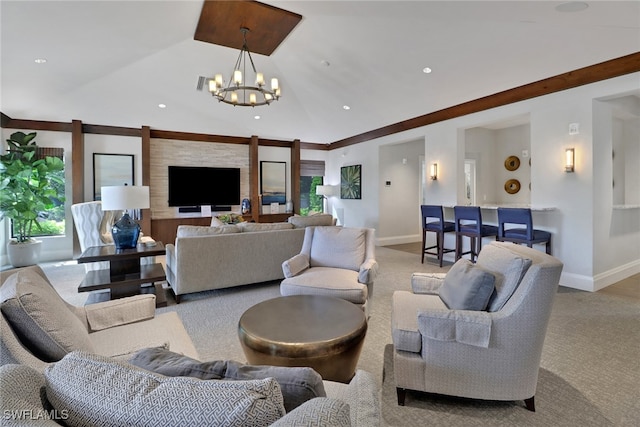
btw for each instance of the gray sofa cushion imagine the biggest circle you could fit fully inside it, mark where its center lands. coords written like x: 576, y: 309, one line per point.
x: 22, y: 398
x: 509, y: 269
x: 248, y: 227
x: 467, y: 286
x: 201, y: 230
x: 97, y: 391
x: 298, y: 384
x: 404, y: 318
x: 41, y: 318
x: 337, y: 247
x: 318, y: 412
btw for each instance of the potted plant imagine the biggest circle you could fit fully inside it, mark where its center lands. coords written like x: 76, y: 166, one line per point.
x: 27, y: 188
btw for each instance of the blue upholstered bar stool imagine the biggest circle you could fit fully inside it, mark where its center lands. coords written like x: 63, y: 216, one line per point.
x: 527, y: 234
x: 468, y: 222
x: 433, y: 220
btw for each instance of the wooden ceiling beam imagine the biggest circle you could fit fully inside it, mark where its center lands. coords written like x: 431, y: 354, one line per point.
x: 605, y: 70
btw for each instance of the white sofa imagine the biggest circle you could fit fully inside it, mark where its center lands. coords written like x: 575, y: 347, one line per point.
x: 206, y: 258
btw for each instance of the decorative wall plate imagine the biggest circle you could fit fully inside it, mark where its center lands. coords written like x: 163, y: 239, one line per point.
x: 512, y: 186
x: 512, y: 163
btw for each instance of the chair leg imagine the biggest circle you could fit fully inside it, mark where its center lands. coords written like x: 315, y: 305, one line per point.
x: 458, y: 245
x: 440, y: 243
x: 424, y: 243
x: 530, y: 404
x: 548, y: 246
x: 402, y: 393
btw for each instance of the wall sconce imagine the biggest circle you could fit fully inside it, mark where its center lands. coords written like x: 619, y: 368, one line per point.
x: 434, y: 171
x: 569, y: 160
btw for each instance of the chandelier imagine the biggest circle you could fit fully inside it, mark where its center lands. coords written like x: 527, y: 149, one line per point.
x: 238, y: 90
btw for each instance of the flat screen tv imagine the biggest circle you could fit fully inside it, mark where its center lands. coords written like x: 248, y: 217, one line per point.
x: 198, y: 186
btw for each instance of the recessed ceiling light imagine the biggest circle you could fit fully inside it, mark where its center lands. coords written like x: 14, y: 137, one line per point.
x: 346, y: 107
x: 256, y: 117
x: 572, y: 6
x: 162, y: 105
x: 426, y: 70
x: 40, y: 60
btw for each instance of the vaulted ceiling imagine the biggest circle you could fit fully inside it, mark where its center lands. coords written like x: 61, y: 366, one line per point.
x: 114, y: 62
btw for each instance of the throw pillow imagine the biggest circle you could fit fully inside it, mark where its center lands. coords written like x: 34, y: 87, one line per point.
x: 201, y: 230
x: 306, y: 221
x: 509, y: 269
x: 94, y: 390
x: 319, y: 411
x: 467, y: 287
x: 297, y: 384
x: 42, y: 319
x: 338, y: 247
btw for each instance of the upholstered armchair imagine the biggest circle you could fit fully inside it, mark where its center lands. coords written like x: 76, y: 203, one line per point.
x: 490, y: 353
x: 92, y: 226
x: 334, y: 261
x: 38, y: 327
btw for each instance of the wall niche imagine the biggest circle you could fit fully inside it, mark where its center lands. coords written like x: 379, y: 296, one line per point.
x: 498, y: 163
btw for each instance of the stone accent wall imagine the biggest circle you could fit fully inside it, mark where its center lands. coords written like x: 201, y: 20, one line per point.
x: 165, y: 152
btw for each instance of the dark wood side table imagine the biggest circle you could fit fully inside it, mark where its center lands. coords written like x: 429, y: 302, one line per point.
x: 125, y: 273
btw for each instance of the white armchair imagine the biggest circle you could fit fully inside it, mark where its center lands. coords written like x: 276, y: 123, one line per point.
x: 494, y: 354
x: 92, y: 226
x: 334, y: 261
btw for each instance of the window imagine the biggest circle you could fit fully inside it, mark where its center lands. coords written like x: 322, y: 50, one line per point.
x: 52, y: 220
x: 311, y: 175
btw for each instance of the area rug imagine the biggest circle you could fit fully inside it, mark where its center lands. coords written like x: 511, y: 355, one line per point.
x: 557, y: 404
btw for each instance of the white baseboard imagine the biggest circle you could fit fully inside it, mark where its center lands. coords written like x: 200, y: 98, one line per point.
x: 398, y: 240
x: 616, y: 274
x: 602, y: 280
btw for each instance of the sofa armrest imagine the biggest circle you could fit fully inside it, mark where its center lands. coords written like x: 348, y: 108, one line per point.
x: 321, y: 410
x: 426, y: 283
x: 368, y: 271
x: 295, y: 265
x: 121, y: 311
x: 463, y: 326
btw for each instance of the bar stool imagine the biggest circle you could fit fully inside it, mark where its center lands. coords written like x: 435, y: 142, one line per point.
x: 440, y: 226
x: 527, y: 235
x: 468, y: 222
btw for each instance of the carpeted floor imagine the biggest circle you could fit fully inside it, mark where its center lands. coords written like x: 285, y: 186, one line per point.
x: 590, y: 374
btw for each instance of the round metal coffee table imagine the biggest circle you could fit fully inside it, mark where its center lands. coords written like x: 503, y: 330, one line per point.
x: 324, y: 333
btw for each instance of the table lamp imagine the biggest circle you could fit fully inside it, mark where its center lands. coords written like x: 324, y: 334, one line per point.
x: 126, y: 230
x: 325, y: 191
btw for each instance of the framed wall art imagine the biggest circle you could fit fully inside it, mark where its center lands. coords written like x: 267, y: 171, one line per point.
x: 350, y: 182
x: 273, y: 182
x: 111, y: 169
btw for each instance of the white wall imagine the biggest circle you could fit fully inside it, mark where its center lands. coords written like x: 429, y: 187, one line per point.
x: 399, y: 202
x: 584, y: 219
x: 110, y: 144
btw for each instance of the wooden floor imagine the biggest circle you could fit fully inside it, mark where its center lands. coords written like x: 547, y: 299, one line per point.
x: 629, y: 287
